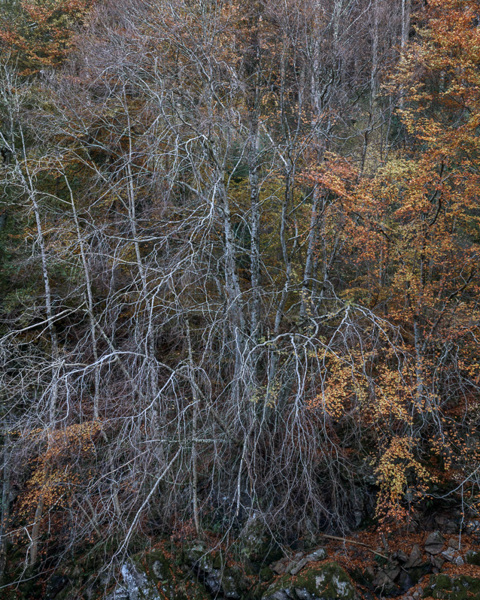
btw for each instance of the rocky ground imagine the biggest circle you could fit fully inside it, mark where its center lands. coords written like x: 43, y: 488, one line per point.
x: 420, y: 566
x: 367, y: 565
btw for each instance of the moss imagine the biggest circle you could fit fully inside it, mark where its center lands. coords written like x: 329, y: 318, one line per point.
x: 320, y: 580
x: 162, y: 569
x: 443, y: 587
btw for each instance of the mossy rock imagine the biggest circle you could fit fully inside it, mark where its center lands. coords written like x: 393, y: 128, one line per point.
x: 195, y: 572
x: 325, y: 581
x: 443, y: 587
x: 255, y: 546
x: 164, y: 570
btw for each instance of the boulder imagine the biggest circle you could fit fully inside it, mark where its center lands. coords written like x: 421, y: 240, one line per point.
x: 170, y: 575
x: 317, y: 581
x: 384, y: 584
x: 293, y: 566
x: 255, y: 544
x: 444, y: 587
x: 317, y: 555
x: 415, y: 559
x: 434, y: 543
x: 401, y: 556
x: 135, y: 585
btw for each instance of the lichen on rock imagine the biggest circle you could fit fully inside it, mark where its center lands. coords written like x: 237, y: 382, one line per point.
x: 445, y: 587
x: 318, y: 581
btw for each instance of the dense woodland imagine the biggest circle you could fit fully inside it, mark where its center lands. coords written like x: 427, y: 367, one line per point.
x: 239, y: 247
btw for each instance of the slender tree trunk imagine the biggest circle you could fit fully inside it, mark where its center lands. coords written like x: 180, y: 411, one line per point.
x: 36, y: 530
x: 195, y: 415
x: 5, y: 506
x: 406, y: 9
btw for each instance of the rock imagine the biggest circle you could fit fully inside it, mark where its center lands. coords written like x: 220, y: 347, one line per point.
x: 454, y: 542
x: 317, y: 555
x: 434, y: 543
x: 449, y: 554
x: 326, y: 581
x: 136, y: 586
x: 158, y: 571
x: 392, y: 571
x: 302, y: 594
x: 472, y: 527
x: 437, y: 561
x: 415, y: 559
x: 280, y: 567
x: 440, y: 521
x: 459, y: 561
x: 285, y: 594
x: 451, y: 527
x: 444, y: 587
x: 220, y: 579
x: 172, y: 574
x: 299, y: 561
x: 358, y: 516
x: 402, y: 557
x: 384, y: 584
x: 255, y: 543
x: 297, y: 567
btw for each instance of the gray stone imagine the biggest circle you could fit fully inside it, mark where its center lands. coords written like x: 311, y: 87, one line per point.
x: 323, y: 582
x: 284, y: 594
x: 135, y: 586
x: 158, y: 570
x: 317, y: 555
x: 295, y: 568
x: 434, y: 543
x: 449, y: 554
x: 392, y: 571
x: 384, y: 583
x: 302, y: 594
x: 454, y: 587
x: 280, y: 567
x: 437, y: 561
x: 454, y: 542
x: 415, y: 559
x: 472, y: 527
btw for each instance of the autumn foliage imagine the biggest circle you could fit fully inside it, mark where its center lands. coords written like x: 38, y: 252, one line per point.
x: 242, y: 267
x: 37, y: 34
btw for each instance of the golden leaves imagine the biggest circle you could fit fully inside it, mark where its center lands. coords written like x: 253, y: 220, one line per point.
x: 400, y: 476
x: 55, y: 471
